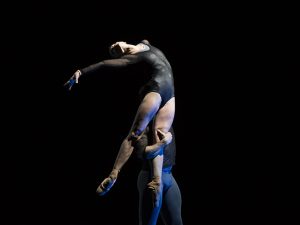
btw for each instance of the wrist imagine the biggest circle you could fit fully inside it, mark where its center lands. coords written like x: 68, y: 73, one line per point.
x: 115, y: 172
x: 79, y: 72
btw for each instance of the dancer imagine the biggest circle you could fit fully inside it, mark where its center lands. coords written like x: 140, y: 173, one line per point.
x: 158, y: 104
x: 169, y: 208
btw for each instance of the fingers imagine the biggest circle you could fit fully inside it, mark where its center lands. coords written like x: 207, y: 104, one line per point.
x: 73, y: 80
x: 76, y: 77
x: 167, y: 138
x: 70, y: 83
x: 162, y: 133
x: 164, y: 138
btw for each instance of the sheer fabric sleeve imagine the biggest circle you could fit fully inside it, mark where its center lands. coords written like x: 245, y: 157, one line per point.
x: 114, y: 63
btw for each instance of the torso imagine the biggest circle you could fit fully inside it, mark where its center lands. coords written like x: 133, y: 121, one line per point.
x: 161, y: 73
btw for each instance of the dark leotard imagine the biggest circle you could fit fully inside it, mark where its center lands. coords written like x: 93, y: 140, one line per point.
x: 161, y: 76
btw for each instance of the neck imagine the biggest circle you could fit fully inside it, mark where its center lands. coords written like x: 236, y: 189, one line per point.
x: 133, y: 49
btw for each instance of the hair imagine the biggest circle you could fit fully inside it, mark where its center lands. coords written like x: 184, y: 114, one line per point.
x: 115, y: 51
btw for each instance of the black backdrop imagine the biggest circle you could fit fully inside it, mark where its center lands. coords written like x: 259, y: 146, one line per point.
x: 236, y: 87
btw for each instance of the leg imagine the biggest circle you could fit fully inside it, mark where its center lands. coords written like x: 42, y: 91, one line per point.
x: 146, y: 111
x: 148, y: 215
x: 171, y: 206
x: 163, y: 121
x: 155, y: 184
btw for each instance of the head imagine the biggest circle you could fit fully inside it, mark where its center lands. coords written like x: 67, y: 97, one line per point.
x: 118, y: 49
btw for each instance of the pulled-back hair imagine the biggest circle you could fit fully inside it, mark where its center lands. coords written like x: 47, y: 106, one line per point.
x: 115, y: 51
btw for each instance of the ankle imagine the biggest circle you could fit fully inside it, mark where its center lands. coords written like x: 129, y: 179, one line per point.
x: 114, y: 173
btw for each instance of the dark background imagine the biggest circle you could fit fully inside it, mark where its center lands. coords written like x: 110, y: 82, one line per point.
x: 237, y: 86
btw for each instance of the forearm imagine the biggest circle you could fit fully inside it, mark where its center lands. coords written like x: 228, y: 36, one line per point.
x: 113, y: 63
x: 155, y: 147
x: 152, y: 151
x: 92, y: 68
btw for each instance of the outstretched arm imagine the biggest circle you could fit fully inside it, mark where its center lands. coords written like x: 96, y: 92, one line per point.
x: 114, y: 63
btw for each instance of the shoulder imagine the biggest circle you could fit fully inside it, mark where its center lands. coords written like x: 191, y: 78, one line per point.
x: 145, y: 42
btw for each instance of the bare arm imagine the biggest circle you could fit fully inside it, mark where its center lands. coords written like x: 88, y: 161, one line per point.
x: 155, y: 147
x: 152, y: 150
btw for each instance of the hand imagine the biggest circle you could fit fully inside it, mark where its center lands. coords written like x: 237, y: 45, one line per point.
x: 73, y: 80
x: 156, y: 190
x: 165, y: 138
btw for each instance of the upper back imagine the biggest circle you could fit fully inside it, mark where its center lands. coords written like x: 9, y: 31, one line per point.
x: 156, y: 57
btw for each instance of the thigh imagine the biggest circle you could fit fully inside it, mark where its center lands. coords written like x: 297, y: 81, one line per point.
x: 146, y: 111
x: 171, y: 206
x: 165, y: 116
